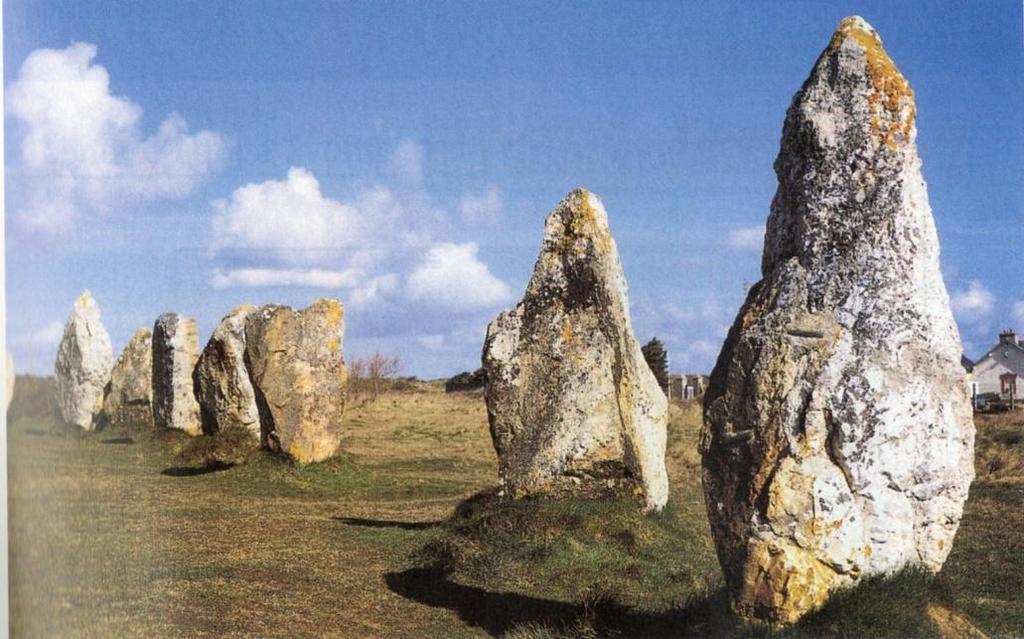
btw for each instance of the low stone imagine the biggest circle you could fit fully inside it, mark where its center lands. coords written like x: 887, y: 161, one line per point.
x: 128, y: 400
x: 299, y: 377
x: 573, y: 407
x: 84, y: 360
x: 223, y: 388
x: 175, y: 351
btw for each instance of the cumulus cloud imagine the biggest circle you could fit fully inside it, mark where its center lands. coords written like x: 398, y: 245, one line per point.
x: 481, y: 208
x: 746, y: 239
x: 317, y: 278
x: 974, y: 302
x: 82, y: 149
x: 452, y: 275
x: 290, y: 219
x: 385, y: 246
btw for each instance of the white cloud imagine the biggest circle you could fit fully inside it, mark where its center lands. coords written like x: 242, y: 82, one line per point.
x: 975, y: 302
x: 746, y: 239
x: 316, y: 278
x: 291, y: 219
x: 375, y: 290
x: 82, y: 148
x: 407, y: 162
x: 49, y: 335
x: 384, y: 246
x: 477, y: 208
x: 1018, y: 312
x: 453, y: 275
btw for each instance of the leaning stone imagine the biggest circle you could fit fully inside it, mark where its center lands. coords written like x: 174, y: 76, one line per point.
x: 573, y: 407
x: 84, y: 360
x: 175, y: 351
x: 222, y: 384
x: 128, y: 400
x: 838, y: 434
x: 299, y: 377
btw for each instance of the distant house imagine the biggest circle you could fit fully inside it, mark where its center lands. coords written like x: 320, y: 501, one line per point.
x: 1000, y: 372
x: 686, y: 386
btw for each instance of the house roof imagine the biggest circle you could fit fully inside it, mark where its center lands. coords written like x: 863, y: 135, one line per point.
x: 966, y: 363
x: 999, y: 348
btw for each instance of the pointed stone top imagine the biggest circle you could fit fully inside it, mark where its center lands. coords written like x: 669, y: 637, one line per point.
x: 85, y: 299
x: 85, y: 305
x: 579, y: 220
x: 850, y: 24
x: 890, y: 99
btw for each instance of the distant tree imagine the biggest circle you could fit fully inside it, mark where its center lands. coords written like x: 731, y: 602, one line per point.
x: 657, y: 359
x: 372, y: 375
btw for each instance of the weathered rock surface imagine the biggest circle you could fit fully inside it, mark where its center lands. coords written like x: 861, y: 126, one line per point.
x: 8, y: 380
x: 84, y: 360
x: 572, y: 405
x: 175, y: 351
x: 128, y: 400
x: 299, y: 377
x: 222, y: 384
x: 838, y: 434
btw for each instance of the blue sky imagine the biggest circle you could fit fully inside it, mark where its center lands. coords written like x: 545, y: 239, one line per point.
x: 192, y: 156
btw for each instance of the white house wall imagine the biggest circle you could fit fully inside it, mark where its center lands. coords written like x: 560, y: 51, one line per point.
x: 1000, y: 360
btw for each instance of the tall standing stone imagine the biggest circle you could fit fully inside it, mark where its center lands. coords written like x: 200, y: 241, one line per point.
x: 222, y: 384
x: 573, y: 406
x: 838, y: 434
x: 299, y: 377
x: 175, y: 351
x: 84, y: 360
x: 128, y: 400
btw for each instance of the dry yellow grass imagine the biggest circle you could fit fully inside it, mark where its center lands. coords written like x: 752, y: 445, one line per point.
x: 111, y: 537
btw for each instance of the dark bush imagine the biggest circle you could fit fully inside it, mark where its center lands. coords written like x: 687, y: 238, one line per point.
x: 466, y: 381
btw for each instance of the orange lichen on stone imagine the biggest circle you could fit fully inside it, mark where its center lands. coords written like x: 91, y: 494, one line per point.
x: 566, y: 329
x: 334, y: 311
x: 892, y: 101
x: 583, y: 223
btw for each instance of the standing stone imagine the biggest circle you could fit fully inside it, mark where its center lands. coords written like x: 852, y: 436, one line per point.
x: 572, y: 405
x: 838, y: 434
x: 299, y: 377
x: 175, y: 351
x: 8, y: 381
x: 84, y: 360
x: 225, y: 393
x: 129, y: 395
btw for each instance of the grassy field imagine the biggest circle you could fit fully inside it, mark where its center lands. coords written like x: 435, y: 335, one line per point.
x: 144, y: 534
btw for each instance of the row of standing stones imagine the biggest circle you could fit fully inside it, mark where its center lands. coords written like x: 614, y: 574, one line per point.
x: 838, y: 435
x: 272, y: 371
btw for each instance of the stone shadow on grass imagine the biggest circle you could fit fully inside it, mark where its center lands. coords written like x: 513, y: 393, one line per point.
x: 494, y: 612
x: 192, y: 471
x: 385, y: 523
x: 500, y: 612
x: 118, y: 440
